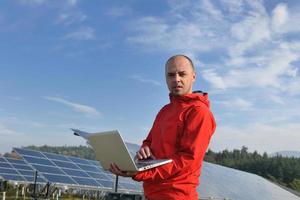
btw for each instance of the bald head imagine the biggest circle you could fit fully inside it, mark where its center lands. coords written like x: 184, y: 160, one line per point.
x: 173, y: 58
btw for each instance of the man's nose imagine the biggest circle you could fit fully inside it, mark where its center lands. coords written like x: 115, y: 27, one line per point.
x: 177, y: 77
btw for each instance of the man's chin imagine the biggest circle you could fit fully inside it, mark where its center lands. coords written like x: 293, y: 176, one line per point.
x: 177, y: 93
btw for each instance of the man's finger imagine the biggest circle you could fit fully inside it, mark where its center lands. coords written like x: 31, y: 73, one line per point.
x: 147, y: 151
x: 143, y: 153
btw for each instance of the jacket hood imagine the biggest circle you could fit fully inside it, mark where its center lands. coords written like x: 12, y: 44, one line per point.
x: 196, y: 96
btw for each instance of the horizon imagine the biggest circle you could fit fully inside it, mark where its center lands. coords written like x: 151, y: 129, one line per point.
x: 270, y: 154
x: 99, y: 66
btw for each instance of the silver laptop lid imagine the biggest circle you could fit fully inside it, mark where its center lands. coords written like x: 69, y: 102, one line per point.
x: 110, y: 148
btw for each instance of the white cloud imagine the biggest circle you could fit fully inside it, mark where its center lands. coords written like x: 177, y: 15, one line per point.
x: 212, y: 77
x: 156, y: 34
x: 211, y: 9
x: 269, y: 69
x: 83, y: 33
x: 7, y: 132
x: 261, y: 137
x: 69, y: 18
x: 84, y: 109
x: 16, y: 122
x: 294, y: 87
x: 142, y: 79
x: 247, y: 33
x: 234, y: 7
x: 279, y: 16
x: 72, y: 2
x: 237, y: 104
x: 10, y: 137
x: 285, y: 20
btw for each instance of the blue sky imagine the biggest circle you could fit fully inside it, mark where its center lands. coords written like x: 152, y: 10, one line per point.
x: 99, y: 65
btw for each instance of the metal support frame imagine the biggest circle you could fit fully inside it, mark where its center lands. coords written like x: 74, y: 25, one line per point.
x: 116, y: 183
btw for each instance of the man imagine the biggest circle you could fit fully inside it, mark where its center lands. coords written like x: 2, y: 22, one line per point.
x: 181, y: 131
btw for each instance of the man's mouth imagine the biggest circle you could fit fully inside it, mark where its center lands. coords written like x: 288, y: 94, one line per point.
x: 177, y: 87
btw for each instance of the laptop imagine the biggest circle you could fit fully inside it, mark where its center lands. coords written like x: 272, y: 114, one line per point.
x: 110, y: 148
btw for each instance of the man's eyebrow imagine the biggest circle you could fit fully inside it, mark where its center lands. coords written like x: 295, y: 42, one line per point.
x: 183, y: 71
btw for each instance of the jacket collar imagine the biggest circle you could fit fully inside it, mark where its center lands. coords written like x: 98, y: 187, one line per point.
x: 192, y: 97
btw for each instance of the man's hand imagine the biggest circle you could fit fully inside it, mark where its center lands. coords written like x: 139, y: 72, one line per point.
x: 116, y: 170
x: 144, y: 153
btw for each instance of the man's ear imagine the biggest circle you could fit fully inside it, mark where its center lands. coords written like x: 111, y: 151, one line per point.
x: 194, y: 76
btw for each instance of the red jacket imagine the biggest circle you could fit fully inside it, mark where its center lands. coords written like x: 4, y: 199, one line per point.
x: 181, y: 131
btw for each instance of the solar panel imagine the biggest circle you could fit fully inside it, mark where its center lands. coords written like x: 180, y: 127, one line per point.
x: 16, y: 161
x: 27, y: 152
x: 219, y: 181
x: 86, y: 181
x: 79, y: 161
x: 17, y: 170
x: 4, y: 165
x: 8, y: 171
x: 21, y: 167
x: 98, y: 175
x: 48, y: 169
x: 105, y: 183
x: 78, y: 173
x: 53, y: 178
x: 64, y: 164
x: 36, y: 160
x: 12, y: 177
x: 56, y: 157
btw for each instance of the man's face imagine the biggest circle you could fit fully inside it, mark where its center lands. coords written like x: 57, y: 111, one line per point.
x: 180, y: 76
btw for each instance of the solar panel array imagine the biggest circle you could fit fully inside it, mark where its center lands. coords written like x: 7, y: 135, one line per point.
x: 64, y: 170
x: 17, y: 170
x: 216, y: 181
x: 225, y: 182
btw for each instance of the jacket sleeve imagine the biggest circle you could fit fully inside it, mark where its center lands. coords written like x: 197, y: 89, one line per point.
x: 199, y: 127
